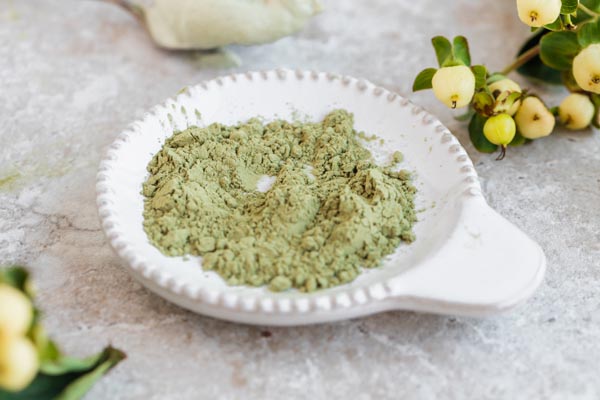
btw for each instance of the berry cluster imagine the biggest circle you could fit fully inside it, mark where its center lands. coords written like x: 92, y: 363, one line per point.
x: 18, y: 355
x: 564, y: 49
x: 31, y: 364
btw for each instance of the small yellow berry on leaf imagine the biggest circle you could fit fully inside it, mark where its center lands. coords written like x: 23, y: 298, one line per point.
x: 538, y: 13
x: 18, y: 362
x: 533, y: 119
x: 16, y: 311
x: 586, y: 68
x: 454, y: 86
x: 500, y: 129
x: 576, y: 111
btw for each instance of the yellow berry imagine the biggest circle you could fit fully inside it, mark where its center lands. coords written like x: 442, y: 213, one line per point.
x: 538, y: 13
x: 586, y: 68
x: 500, y: 129
x: 18, y: 362
x: 533, y: 119
x: 454, y: 86
x: 16, y: 311
x: 505, y: 86
x: 576, y: 111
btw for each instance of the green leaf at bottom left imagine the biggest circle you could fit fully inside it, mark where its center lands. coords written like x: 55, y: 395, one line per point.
x: 71, y: 380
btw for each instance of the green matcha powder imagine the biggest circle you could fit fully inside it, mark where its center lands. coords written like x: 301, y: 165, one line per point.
x: 330, y: 211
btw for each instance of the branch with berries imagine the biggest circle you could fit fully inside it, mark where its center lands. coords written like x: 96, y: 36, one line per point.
x: 31, y: 365
x: 564, y: 49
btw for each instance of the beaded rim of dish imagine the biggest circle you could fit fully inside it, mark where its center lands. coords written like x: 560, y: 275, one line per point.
x: 267, y: 302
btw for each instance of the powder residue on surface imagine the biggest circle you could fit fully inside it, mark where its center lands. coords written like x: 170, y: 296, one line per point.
x: 9, y: 180
x: 397, y: 157
x: 329, y: 210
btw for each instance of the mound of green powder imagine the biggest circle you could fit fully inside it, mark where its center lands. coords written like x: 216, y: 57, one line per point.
x: 330, y: 210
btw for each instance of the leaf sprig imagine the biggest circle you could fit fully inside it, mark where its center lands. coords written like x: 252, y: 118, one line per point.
x: 58, y: 377
x: 565, y: 51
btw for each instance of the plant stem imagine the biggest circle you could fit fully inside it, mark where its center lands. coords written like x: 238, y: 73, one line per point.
x: 522, y: 59
x: 588, y: 11
x: 568, y: 22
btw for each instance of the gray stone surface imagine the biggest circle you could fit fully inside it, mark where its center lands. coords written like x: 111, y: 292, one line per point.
x: 74, y: 73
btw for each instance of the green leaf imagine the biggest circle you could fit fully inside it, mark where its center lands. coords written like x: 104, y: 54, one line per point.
x: 593, y: 5
x: 42, y: 387
x: 47, y: 349
x: 16, y: 277
x: 50, y: 353
x: 589, y: 33
x: 534, y: 68
x: 423, y: 80
x: 581, y: 16
x: 518, y: 140
x: 443, y: 49
x: 73, y: 383
x: 480, y: 72
x: 495, y: 78
x: 557, y: 49
x: 556, y: 25
x: 569, y: 6
x: 64, y: 364
x: 77, y: 389
x: 461, y: 50
x: 477, y: 137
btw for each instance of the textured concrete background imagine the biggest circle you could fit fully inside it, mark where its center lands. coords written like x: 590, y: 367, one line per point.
x: 74, y: 73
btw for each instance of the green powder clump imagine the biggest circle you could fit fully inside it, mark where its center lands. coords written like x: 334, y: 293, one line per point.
x: 397, y: 157
x: 330, y: 210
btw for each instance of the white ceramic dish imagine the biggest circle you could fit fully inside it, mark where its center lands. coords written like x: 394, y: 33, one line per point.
x: 467, y: 259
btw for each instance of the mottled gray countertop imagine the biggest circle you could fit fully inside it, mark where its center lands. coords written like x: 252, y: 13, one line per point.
x: 75, y: 73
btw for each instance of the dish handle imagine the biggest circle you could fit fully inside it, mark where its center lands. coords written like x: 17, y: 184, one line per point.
x: 487, y: 265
